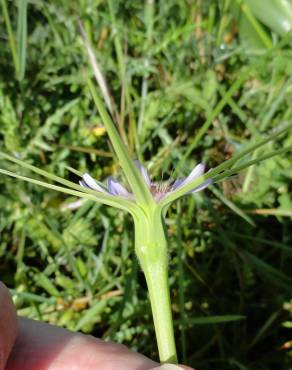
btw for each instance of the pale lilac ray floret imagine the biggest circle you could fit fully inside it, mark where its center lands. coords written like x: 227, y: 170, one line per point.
x: 159, y: 190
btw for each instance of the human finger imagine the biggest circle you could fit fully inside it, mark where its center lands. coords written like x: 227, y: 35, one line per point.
x: 8, y: 325
x: 40, y: 346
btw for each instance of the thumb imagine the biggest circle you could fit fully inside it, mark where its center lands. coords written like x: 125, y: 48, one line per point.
x: 8, y: 325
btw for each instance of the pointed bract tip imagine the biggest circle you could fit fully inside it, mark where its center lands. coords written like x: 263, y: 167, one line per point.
x: 202, y: 186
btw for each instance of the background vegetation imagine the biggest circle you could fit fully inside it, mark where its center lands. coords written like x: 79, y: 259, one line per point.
x: 192, y: 81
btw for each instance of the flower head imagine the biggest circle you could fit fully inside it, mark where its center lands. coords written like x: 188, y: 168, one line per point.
x: 159, y: 190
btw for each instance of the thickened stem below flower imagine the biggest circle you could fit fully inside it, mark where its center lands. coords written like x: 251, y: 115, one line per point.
x: 150, y: 246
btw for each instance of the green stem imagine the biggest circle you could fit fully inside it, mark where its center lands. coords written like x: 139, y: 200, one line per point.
x: 11, y: 37
x: 151, y: 248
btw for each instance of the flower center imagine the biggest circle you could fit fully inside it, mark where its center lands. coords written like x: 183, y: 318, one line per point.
x: 158, y: 189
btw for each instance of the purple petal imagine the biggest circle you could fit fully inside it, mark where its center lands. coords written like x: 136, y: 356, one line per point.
x: 196, y: 172
x: 144, y: 173
x: 177, y: 184
x: 82, y: 183
x: 115, y: 188
x: 202, y: 186
x: 89, y: 182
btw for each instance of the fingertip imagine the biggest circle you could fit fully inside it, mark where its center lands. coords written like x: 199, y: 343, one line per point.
x: 8, y: 325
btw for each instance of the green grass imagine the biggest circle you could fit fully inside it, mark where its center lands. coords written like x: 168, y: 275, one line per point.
x: 189, y: 82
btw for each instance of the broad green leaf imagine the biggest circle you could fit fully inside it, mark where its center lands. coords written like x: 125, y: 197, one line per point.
x: 276, y: 14
x: 258, y: 28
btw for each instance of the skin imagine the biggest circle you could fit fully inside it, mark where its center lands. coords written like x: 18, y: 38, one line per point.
x: 31, y: 345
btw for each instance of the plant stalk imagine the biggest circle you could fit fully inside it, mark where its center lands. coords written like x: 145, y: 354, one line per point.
x: 150, y: 246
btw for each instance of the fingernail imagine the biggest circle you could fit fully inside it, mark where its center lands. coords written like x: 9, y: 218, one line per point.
x: 168, y: 367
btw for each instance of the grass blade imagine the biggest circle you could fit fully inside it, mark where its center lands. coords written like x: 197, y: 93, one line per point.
x: 233, y: 207
x: 225, y: 99
x: 271, y: 273
x: 21, y: 37
x: 210, y: 320
x: 11, y: 37
x: 97, y: 71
